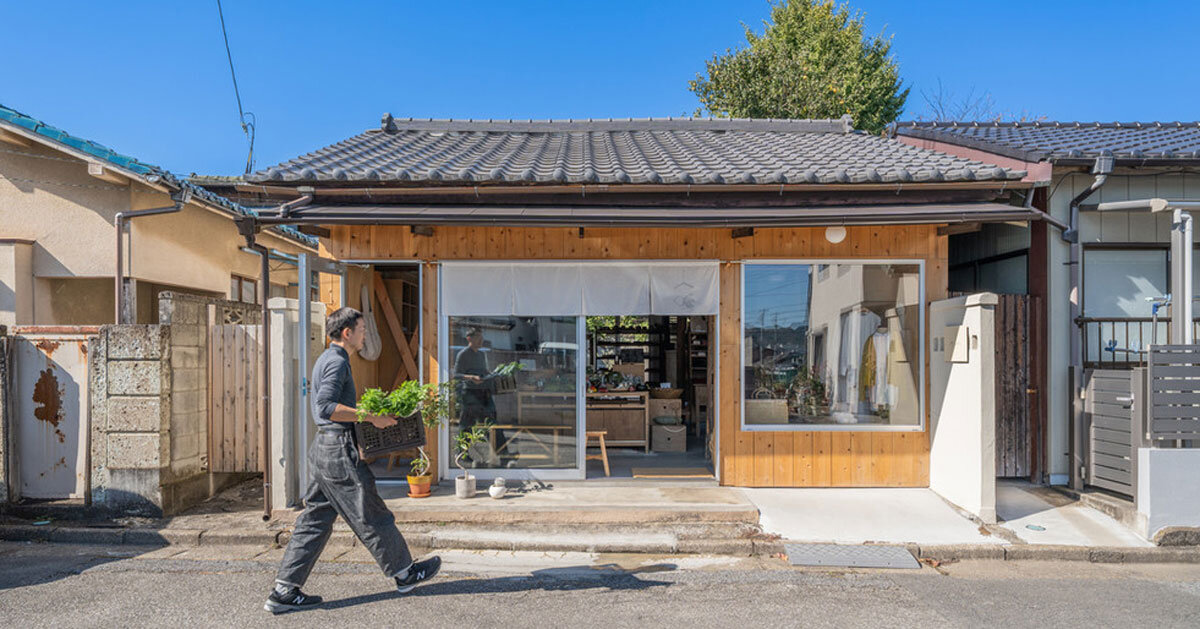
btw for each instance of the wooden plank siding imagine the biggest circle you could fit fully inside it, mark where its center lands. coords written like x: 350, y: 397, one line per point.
x: 759, y: 458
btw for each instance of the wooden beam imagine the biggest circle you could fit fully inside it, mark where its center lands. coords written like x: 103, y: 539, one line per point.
x: 401, y: 341
x: 17, y: 140
x: 959, y: 228
x: 100, y: 171
x: 314, y: 230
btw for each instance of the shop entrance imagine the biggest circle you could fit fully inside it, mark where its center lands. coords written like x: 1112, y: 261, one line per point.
x: 550, y: 358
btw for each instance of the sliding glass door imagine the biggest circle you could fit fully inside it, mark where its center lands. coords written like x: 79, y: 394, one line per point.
x: 518, y: 385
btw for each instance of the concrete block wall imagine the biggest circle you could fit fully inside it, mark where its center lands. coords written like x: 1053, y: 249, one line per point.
x: 131, y: 407
x: 187, y: 436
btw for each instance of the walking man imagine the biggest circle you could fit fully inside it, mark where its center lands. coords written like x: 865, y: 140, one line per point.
x: 341, y: 484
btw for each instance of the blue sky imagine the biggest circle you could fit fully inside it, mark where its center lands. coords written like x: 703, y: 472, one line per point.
x: 151, y: 79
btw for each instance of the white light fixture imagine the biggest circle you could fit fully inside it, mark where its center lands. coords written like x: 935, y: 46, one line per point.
x: 835, y: 234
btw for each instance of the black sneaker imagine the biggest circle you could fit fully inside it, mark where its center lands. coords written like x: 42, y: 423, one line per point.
x: 419, y: 572
x: 292, y: 601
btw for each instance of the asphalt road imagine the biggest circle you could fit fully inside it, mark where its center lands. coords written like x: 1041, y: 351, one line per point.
x: 43, y: 585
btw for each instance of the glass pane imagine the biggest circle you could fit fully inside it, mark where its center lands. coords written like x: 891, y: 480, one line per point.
x: 249, y: 291
x: 533, y: 410
x: 1116, y: 283
x: 832, y: 346
x: 235, y: 288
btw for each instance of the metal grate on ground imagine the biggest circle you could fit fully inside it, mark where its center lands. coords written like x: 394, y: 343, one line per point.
x: 844, y: 556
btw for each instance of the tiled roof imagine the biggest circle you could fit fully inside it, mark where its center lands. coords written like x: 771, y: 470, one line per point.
x: 1069, y: 142
x: 633, y: 151
x: 149, y: 172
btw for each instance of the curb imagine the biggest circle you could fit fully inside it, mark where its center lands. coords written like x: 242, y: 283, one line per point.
x: 742, y: 547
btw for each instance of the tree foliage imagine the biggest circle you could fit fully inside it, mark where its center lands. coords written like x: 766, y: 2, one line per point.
x: 812, y: 61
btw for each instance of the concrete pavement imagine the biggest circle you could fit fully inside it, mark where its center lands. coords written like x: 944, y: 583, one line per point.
x: 48, y: 585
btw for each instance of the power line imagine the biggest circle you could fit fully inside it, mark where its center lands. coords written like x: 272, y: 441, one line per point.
x: 247, y: 127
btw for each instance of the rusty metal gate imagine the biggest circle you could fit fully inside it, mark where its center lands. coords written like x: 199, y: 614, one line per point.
x: 51, y: 407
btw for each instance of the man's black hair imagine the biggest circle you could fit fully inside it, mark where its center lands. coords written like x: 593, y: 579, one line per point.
x: 474, y: 331
x: 341, y: 319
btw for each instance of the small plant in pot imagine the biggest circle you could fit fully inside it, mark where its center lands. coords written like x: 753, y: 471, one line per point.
x: 464, y: 484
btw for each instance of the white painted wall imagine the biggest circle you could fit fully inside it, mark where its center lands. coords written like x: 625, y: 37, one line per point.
x: 16, y: 283
x: 962, y: 457
x: 1166, y: 492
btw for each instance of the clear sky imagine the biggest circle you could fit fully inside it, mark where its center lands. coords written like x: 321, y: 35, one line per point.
x: 151, y: 79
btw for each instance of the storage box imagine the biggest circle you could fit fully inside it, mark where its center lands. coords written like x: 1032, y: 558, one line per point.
x: 665, y: 408
x: 668, y: 438
x: 631, y: 369
x: 766, y: 411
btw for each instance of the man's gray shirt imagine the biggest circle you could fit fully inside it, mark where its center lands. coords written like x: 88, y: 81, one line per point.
x: 331, y: 384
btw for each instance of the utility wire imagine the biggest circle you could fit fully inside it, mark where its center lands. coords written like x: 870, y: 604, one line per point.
x: 247, y: 127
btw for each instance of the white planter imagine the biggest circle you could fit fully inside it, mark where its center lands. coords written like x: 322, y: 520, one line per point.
x: 498, y: 489
x: 464, y: 486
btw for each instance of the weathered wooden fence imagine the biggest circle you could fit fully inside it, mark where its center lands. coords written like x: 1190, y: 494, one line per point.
x: 235, y: 391
x: 1016, y: 406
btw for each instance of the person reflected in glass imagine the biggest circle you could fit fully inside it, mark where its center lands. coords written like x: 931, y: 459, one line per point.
x: 475, y: 391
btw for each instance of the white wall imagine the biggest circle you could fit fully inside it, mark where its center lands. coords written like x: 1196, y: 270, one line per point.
x: 1166, y: 491
x: 288, y: 427
x: 962, y: 457
x: 16, y: 283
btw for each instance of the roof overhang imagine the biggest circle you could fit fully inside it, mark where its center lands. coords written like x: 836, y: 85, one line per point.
x: 628, y: 216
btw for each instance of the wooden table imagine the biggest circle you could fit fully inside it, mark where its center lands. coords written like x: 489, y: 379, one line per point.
x: 532, y: 431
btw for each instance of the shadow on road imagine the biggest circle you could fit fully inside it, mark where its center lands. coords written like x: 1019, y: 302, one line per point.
x: 551, y: 579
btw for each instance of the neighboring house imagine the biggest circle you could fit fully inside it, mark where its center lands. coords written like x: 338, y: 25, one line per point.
x: 526, y: 228
x: 59, y: 195
x: 1124, y: 254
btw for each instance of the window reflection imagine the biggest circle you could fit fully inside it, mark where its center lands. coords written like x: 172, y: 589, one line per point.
x: 832, y: 344
x: 518, y: 374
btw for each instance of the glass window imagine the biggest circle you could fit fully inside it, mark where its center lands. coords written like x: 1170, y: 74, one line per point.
x: 1117, y: 282
x: 532, y: 409
x: 840, y: 348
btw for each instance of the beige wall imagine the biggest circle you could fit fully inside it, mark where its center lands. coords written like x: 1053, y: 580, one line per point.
x: 16, y: 282
x: 48, y: 198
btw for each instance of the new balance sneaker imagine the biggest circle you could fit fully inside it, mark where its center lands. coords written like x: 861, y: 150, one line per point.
x: 418, y: 573
x: 293, y: 600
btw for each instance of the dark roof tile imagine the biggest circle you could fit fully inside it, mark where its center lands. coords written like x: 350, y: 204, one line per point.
x: 641, y: 151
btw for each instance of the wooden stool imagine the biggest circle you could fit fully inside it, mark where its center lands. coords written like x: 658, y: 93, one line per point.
x: 603, y: 456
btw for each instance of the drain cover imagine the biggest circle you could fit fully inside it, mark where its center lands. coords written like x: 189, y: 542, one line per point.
x: 850, y: 556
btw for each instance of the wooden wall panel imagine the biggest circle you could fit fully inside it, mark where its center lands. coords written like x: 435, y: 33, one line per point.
x: 769, y: 459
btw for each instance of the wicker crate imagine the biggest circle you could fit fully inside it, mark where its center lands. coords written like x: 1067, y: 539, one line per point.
x: 409, y: 432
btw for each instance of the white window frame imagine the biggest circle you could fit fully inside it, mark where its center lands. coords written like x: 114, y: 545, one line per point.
x: 919, y: 427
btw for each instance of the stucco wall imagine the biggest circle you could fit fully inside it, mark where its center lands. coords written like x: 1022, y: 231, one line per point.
x: 962, y: 366
x: 50, y: 199
x: 16, y: 282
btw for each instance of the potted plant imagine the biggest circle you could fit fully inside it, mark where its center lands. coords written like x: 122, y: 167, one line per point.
x: 464, y: 484
x: 434, y: 403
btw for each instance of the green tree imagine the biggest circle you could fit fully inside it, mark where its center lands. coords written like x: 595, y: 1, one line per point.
x: 812, y: 61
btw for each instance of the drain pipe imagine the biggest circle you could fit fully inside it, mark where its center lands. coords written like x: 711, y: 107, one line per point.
x: 1101, y: 169
x: 264, y: 368
x: 120, y: 220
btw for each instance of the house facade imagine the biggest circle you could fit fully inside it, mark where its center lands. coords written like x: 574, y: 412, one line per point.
x: 59, y: 196
x: 1124, y: 267
x: 790, y: 263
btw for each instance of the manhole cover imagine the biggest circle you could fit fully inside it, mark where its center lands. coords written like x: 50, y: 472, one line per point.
x: 850, y: 556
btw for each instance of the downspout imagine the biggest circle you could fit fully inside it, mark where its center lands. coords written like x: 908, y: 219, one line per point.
x: 248, y: 227
x: 264, y: 366
x: 1101, y: 169
x: 119, y: 221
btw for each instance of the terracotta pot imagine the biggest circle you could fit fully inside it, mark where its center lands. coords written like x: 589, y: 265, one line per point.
x: 418, y: 486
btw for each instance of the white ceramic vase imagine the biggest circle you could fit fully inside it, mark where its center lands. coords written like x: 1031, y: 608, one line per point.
x: 498, y: 489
